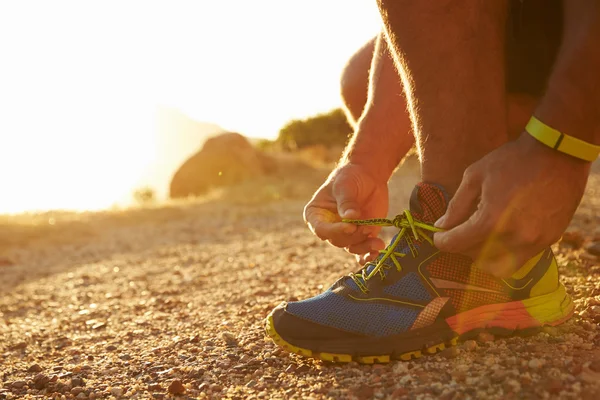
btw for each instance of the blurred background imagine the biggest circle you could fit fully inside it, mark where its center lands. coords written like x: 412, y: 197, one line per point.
x: 102, y: 100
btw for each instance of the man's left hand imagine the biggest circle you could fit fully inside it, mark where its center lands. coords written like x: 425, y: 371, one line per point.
x: 511, y: 204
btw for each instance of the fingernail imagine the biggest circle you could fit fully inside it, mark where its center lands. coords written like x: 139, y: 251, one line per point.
x: 440, y: 222
x: 350, y: 212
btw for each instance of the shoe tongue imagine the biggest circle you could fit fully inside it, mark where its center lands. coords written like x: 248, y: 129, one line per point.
x: 428, y: 202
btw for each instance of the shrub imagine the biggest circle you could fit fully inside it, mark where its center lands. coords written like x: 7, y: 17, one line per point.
x: 329, y: 129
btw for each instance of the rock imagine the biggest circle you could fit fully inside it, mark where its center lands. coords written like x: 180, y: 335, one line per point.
x: 40, y: 381
x: 450, y: 352
x: 229, y: 339
x: 176, y: 387
x: 593, y: 248
x: 572, y: 238
x: 512, y: 385
x: 154, y: 387
x: 251, y: 383
x: 6, y: 262
x: 111, y: 347
x: 485, y: 337
x: 535, y: 363
x: 18, y: 384
x: 19, y: 346
x: 34, y: 368
x: 76, y: 390
x: 77, y: 381
x: 224, y: 160
x: 116, y: 391
x: 470, y: 345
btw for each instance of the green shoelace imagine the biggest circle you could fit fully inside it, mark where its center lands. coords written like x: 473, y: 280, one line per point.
x: 404, y: 222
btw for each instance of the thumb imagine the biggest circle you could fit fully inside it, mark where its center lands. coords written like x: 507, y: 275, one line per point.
x: 346, y: 198
x: 463, y: 204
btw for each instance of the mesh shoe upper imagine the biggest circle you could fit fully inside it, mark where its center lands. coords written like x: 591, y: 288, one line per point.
x: 421, y: 284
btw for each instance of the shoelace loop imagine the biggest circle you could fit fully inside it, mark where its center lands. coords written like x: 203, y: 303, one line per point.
x: 404, y: 222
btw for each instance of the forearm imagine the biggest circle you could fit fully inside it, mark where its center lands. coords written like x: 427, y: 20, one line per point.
x: 572, y: 101
x: 383, y: 136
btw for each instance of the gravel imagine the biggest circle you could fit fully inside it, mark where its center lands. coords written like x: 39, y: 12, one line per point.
x: 168, y: 302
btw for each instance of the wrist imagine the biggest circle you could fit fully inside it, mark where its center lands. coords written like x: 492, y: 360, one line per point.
x: 534, y: 147
x: 377, y: 149
x: 561, y: 142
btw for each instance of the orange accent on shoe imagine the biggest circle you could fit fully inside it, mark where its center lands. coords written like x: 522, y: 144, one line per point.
x: 429, y: 313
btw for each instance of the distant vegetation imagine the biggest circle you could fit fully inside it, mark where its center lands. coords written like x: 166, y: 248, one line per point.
x: 329, y: 129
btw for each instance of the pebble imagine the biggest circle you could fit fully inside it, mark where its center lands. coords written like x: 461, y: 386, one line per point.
x: 40, y: 381
x: 573, y: 238
x: 485, y: 337
x: 593, y: 248
x: 154, y: 387
x: 111, y: 347
x: 251, y: 383
x: 450, y: 352
x: 229, y: 339
x: 535, y: 363
x: 35, y: 368
x: 176, y: 387
x: 18, y: 384
x: 116, y: 391
x: 470, y: 345
x: 512, y: 385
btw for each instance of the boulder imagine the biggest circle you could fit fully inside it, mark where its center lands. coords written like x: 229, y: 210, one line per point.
x: 224, y: 160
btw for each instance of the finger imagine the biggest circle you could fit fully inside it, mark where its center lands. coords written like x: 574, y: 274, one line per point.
x: 466, y: 236
x: 346, y: 197
x: 463, y: 204
x: 367, y: 246
x: 365, y: 258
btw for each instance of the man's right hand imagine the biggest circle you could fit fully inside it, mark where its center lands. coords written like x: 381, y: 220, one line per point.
x: 350, y: 192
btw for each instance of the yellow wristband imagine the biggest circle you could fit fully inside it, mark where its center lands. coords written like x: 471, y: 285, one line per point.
x: 559, y: 141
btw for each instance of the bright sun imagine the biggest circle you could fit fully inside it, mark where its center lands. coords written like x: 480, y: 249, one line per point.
x: 80, y: 83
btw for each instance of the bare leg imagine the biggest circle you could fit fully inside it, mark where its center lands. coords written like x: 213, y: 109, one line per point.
x: 451, y: 59
x: 354, y: 85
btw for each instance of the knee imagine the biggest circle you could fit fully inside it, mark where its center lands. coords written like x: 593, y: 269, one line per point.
x: 354, y: 85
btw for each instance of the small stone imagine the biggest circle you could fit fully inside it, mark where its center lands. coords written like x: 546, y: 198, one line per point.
x: 154, y: 387
x: 111, y: 347
x: 450, y: 352
x: 485, y: 337
x: 116, y: 391
x: 512, y: 385
x: 90, y: 358
x: 34, y: 368
x: 18, y: 384
x: 470, y: 345
x: 593, y: 248
x: 554, y: 386
x: 250, y: 384
x: 82, y: 395
x: 76, y: 390
x: 203, y: 387
x: 176, y: 387
x: 229, y: 339
x: 77, y: 381
x: 573, y: 238
x: 40, y: 381
x: 303, y: 368
x: 290, y: 368
x: 19, y: 346
x: 535, y: 363
x: 399, y: 393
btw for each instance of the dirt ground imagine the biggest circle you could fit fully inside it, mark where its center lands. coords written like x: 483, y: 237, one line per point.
x: 170, y: 299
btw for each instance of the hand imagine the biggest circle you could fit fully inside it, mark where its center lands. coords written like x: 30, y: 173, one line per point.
x: 511, y: 204
x: 349, y: 192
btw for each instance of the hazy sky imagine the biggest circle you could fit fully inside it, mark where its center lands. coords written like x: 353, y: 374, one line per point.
x: 80, y: 80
